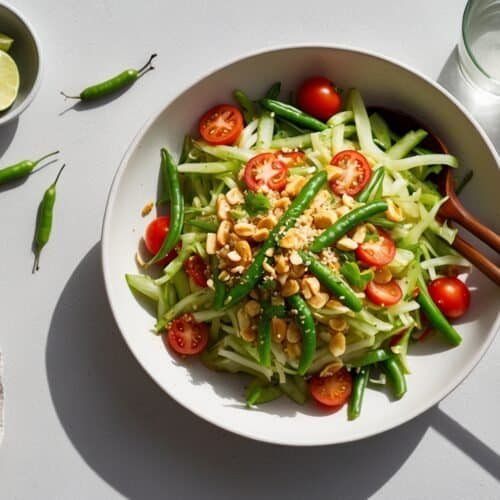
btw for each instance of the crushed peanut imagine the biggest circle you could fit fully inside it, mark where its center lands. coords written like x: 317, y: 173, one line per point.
x: 146, y: 209
x: 222, y: 207
x: 291, y: 287
x: 235, y: 197
x: 244, y: 229
x: 261, y: 234
x: 293, y: 333
x: 278, y: 330
x: 324, y: 218
x: 319, y: 300
x: 331, y: 368
x: 223, y: 232
x: 345, y: 243
x: 337, y: 344
x: 211, y: 244
x: 382, y: 276
x: 393, y: 212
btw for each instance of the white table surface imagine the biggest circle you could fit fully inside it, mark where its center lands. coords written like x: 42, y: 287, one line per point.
x: 82, y: 420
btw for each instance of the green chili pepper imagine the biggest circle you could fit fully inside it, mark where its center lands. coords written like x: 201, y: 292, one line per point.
x: 358, y: 391
x: 246, y: 104
x: 253, y: 272
x: 21, y: 169
x: 264, y: 339
x: 176, y: 208
x: 347, y: 222
x: 113, y: 85
x: 331, y: 281
x: 305, y: 320
x: 395, y: 376
x: 45, y: 219
x: 370, y: 358
x: 274, y: 91
x: 373, y: 185
x: 293, y: 114
x: 435, y: 316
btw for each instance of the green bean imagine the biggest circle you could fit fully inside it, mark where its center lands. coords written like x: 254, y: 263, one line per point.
x: 346, y: 223
x: 45, y: 219
x: 113, y: 85
x: 332, y: 282
x: 274, y: 91
x: 176, y: 208
x: 358, y: 391
x: 395, y: 376
x: 21, y: 169
x: 373, y: 185
x: 264, y: 339
x: 293, y: 114
x: 253, y: 272
x: 209, y: 227
x: 246, y: 104
x: 434, y: 316
x: 305, y: 320
x: 220, y: 287
x: 369, y: 358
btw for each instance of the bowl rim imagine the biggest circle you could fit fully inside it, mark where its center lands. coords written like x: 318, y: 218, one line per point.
x: 445, y: 391
x: 28, y: 99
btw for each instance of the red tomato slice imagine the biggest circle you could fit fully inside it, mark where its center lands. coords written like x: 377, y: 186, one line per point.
x: 292, y: 158
x: 451, y: 296
x: 197, y: 269
x: 186, y: 336
x: 318, y: 97
x: 265, y: 169
x: 378, y: 252
x: 221, y: 124
x: 387, y: 294
x: 356, y: 172
x: 333, y: 390
x: 155, y: 234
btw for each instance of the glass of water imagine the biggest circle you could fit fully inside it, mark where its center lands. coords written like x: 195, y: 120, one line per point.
x: 479, y: 46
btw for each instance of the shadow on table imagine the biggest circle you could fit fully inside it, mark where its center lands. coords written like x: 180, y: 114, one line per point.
x: 7, y: 133
x: 147, y: 446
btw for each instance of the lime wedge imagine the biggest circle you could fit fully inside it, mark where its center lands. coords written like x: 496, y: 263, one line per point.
x: 5, y: 42
x: 9, y: 81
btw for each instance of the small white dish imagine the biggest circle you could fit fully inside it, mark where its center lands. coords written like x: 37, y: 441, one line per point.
x: 217, y: 397
x: 26, y: 52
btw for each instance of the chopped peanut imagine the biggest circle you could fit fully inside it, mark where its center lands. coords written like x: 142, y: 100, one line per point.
x: 293, y: 350
x: 269, y: 269
x: 282, y: 203
x: 359, y: 234
x: 244, y: 229
x: 222, y: 207
x: 282, y: 278
x: 337, y: 344
x: 252, y: 308
x: 295, y: 184
x: 278, y: 330
x: 234, y: 256
x: 393, y: 212
x: 382, y: 276
x: 331, y: 369
x: 342, y: 210
x: 338, y: 324
x: 223, y: 232
x: 243, y: 248
x: 295, y: 258
x: 297, y: 271
x: 293, y: 239
x: 293, y: 333
x: 291, y: 287
x: 211, y: 245
x: 243, y: 319
x: 281, y: 264
x: 324, y: 218
x: 348, y: 201
x: 267, y: 222
x: 234, y: 196
x: 249, y: 334
x: 146, y: 209
x: 310, y: 287
x: 261, y: 234
x: 346, y: 243
x: 319, y: 300
x: 224, y: 276
x: 139, y: 260
x: 334, y: 172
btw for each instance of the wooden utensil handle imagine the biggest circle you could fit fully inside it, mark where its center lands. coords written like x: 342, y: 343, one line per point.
x: 467, y: 220
x: 476, y: 258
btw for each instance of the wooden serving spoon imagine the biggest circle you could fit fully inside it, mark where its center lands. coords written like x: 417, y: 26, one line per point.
x: 452, y: 209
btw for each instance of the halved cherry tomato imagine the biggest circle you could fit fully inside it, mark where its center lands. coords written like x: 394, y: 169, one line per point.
x: 221, y: 124
x: 356, y: 172
x: 291, y: 158
x: 333, y: 390
x: 186, y: 336
x: 265, y: 169
x: 386, y: 294
x: 197, y: 269
x: 155, y: 234
x: 377, y: 252
x: 451, y: 296
x: 318, y: 97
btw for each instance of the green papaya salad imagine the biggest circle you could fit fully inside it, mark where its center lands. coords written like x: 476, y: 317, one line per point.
x: 302, y: 248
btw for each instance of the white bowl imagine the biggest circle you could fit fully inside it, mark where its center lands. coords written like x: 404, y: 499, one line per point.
x: 26, y: 51
x: 217, y: 397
